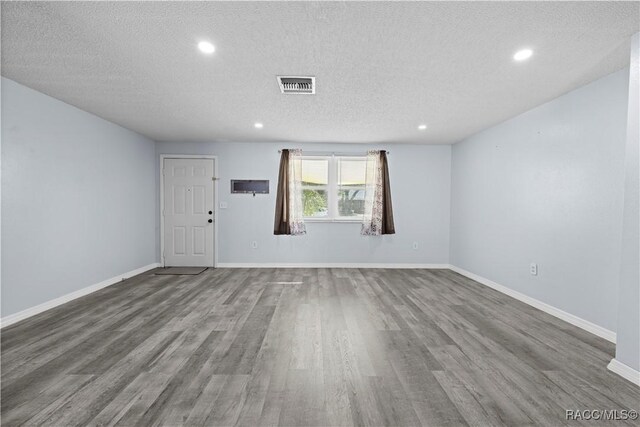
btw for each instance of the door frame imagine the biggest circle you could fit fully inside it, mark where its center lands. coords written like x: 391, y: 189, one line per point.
x: 215, y: 200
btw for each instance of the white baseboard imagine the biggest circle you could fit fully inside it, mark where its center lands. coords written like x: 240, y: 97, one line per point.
x: 625, y: 371
x: 560, y: 314
x: 325, y: 265
x: 21, y: 315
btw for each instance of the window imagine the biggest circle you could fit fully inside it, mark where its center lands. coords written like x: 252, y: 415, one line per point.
x: 333, y: 187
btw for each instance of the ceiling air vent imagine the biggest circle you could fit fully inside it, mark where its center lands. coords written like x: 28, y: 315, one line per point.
x: 297, y: 85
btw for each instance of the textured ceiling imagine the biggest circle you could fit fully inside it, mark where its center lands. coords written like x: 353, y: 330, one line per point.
x: 381, y: 68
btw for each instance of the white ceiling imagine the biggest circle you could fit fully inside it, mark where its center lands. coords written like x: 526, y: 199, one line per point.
x: 381, y: 68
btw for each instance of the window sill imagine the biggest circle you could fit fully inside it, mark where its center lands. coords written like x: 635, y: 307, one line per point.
x: 329, y: 220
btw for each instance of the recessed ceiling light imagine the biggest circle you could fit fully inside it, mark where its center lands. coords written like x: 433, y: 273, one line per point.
x: 206, y: 47
x: 523, y: 54
x: 422, y: 127
x: 258, y: 125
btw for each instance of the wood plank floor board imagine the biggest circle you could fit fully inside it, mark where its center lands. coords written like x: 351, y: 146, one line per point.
x: 494, y: 400
x: 469, y: 407
x: 324, y: 347
x: 84, y: 405
x: 43, y: 343
x: 336, y: 393
x: 230, y: 401
x: 277, y: 350
x: 203, y: 405
x: 393, y: 402
x: 49, y: 400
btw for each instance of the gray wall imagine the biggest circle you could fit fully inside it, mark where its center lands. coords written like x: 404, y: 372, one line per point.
x: 628, y: 343
x: 78, y: 199
x: 546, y: 187
x: 420, y: 184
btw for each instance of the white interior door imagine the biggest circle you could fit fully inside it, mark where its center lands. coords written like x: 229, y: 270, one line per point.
x: 188, y: 212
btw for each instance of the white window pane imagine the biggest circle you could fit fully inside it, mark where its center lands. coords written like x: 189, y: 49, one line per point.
x: 351, y: 201
x: 351, y: 171
x: 315, y: 172
x: 351, y: 177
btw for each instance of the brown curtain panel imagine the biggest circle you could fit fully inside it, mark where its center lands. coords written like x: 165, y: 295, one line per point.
x: 388, y: 227
x: 281, y: 223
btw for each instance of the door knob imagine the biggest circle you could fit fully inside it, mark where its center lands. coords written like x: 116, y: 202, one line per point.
x: 210, y: 212
x: 210, y: 221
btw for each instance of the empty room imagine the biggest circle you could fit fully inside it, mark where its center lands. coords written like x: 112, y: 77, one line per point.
x: 320, y: 213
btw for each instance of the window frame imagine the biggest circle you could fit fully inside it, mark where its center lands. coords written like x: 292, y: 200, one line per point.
x: 332, y: 188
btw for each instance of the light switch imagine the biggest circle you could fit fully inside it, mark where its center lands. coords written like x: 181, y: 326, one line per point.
x: 223, y: 205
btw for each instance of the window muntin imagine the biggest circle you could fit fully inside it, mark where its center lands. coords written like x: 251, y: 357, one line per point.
x: 333, y: 187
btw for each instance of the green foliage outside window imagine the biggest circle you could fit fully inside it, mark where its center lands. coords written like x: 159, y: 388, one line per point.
x: 315, y: 202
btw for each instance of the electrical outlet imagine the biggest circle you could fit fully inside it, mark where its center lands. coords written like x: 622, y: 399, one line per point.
x: 254, y: 244
x: 415, y: 246
x: 533, y: 269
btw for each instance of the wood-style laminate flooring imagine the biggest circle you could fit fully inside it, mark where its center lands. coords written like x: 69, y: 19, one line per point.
x: 295, y: 347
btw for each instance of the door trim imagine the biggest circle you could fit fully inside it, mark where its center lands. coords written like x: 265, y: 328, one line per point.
x: 215, y: 201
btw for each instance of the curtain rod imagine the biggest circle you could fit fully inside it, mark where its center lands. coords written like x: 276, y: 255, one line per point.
x: 333, y: 153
